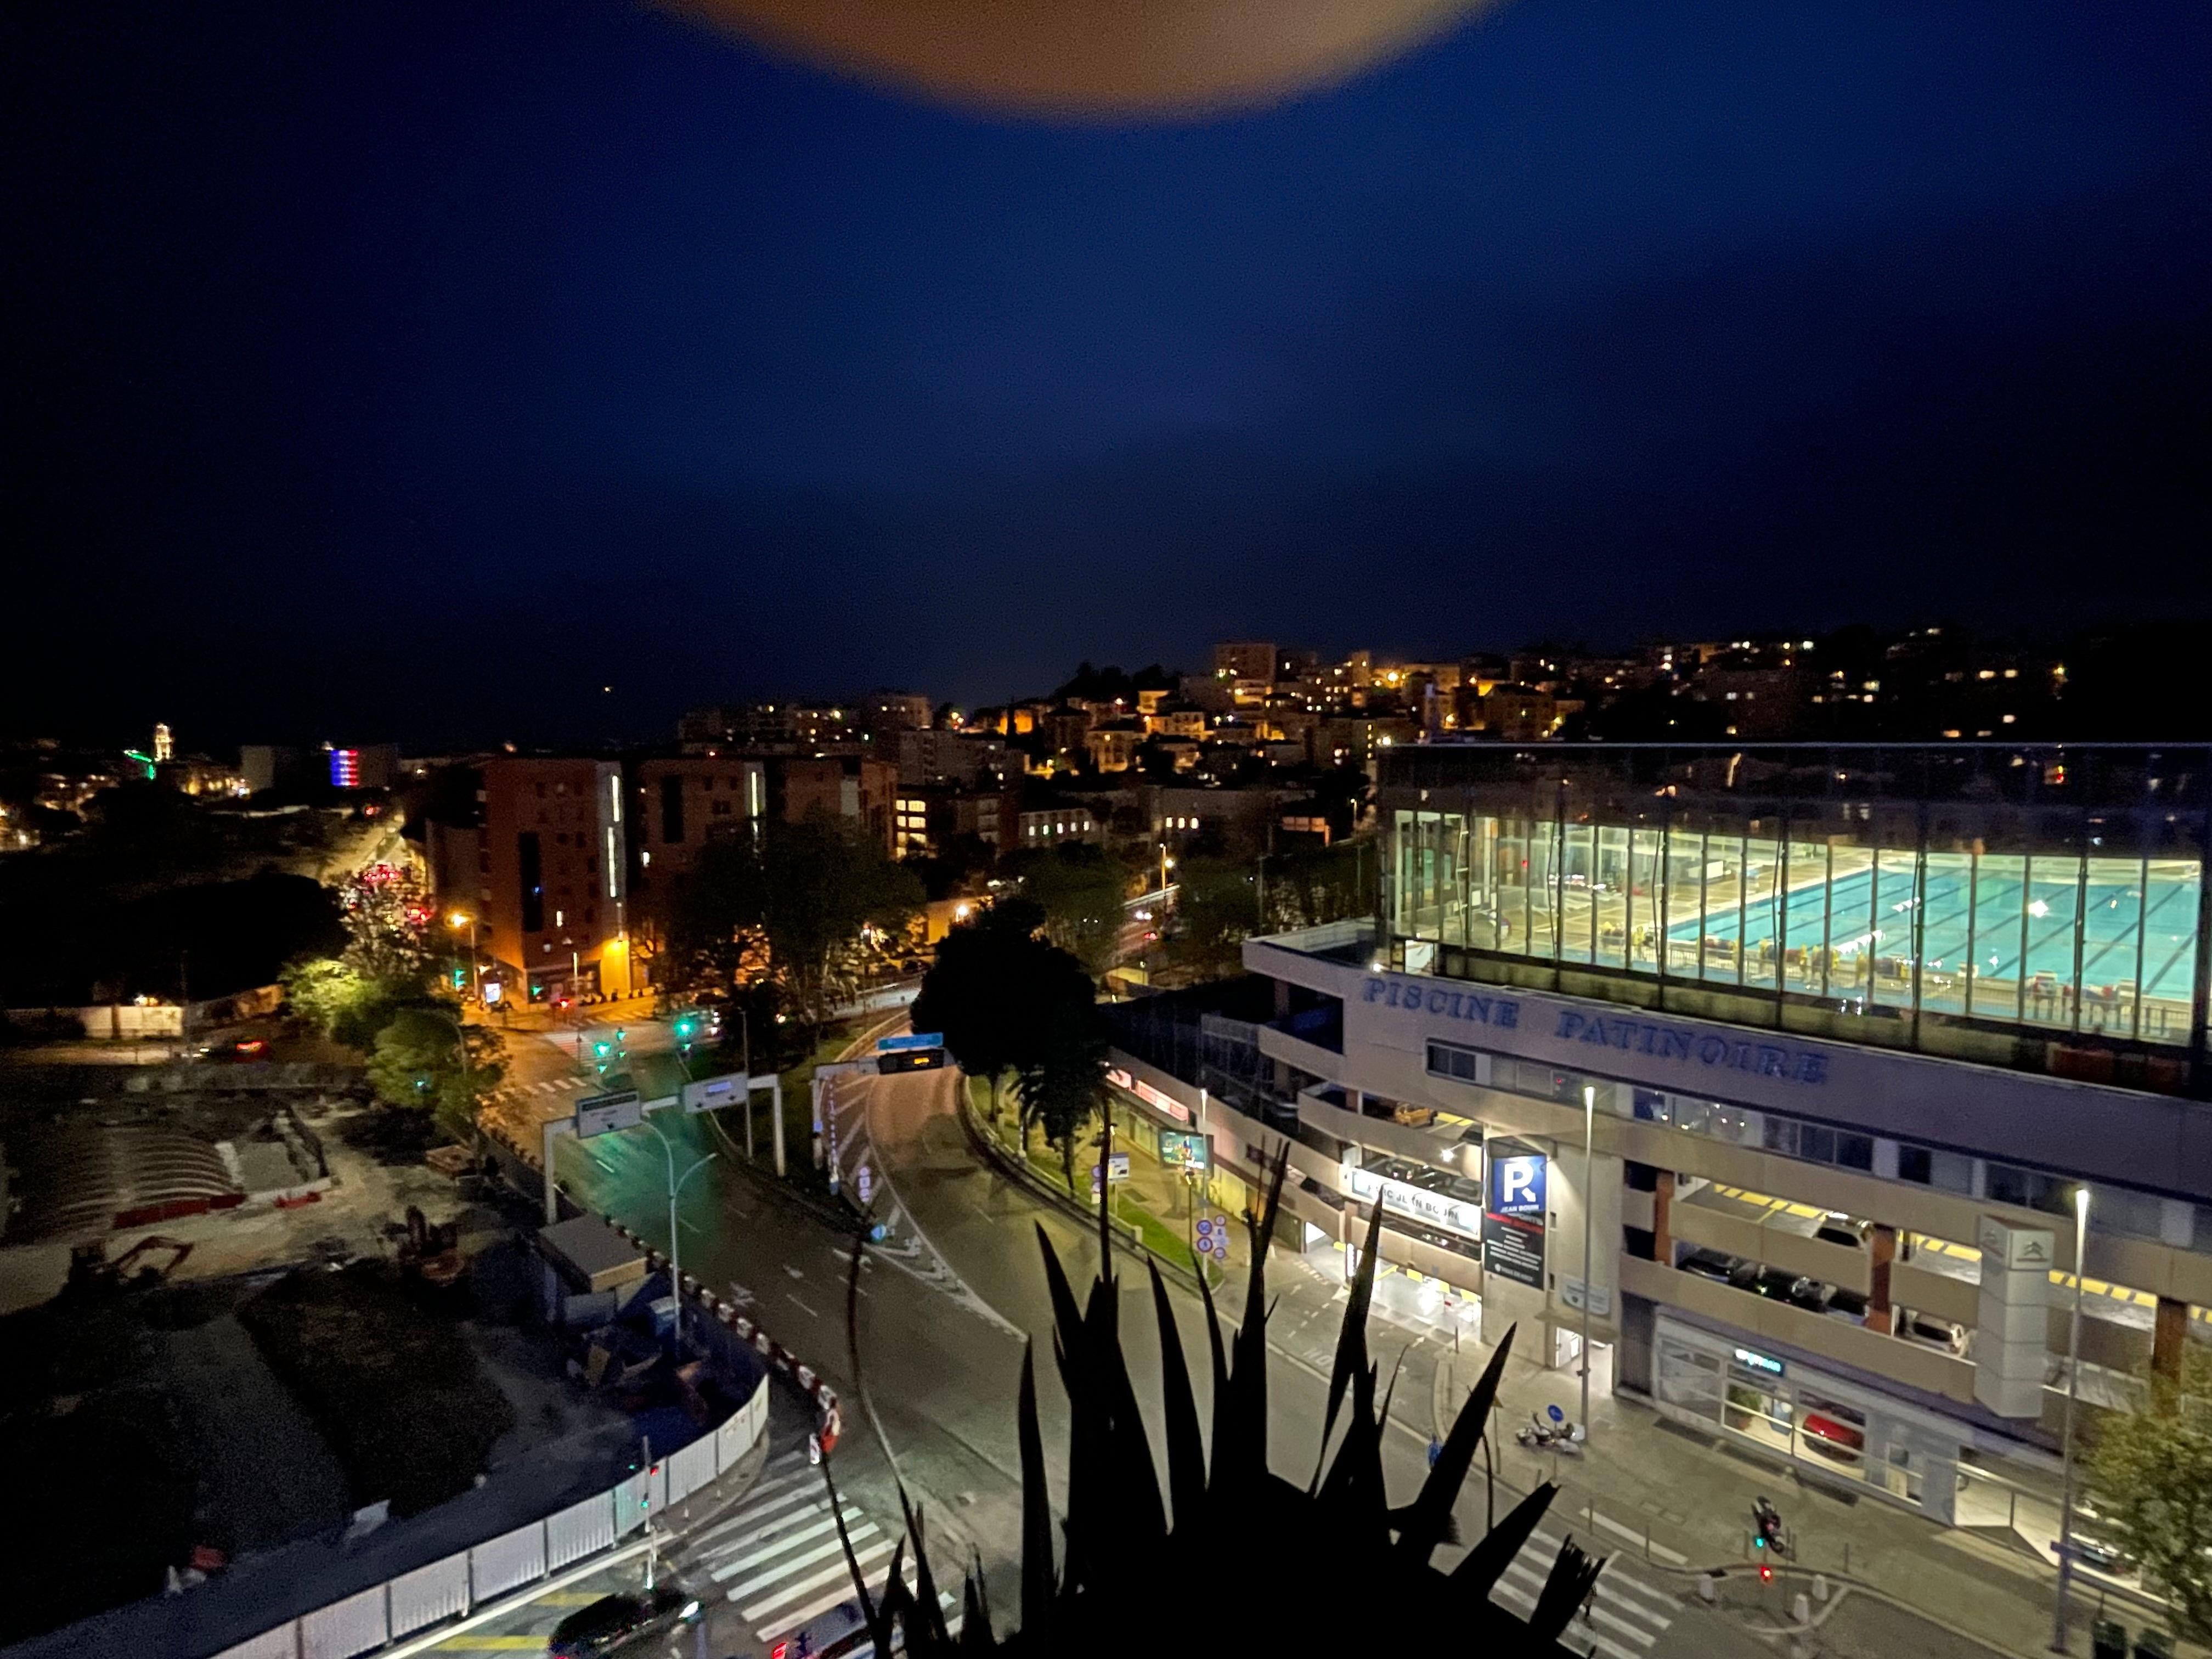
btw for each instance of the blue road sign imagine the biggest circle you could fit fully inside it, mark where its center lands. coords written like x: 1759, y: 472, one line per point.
x: 902, y: 1044
x: 1555, y: 1413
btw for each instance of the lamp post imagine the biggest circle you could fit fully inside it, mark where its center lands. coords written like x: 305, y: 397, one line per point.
x: 457, y: 922
x: 2072, y: 1394
x: 675, y: 1241
x: 1589, y: 1117
x: 745, y: 1042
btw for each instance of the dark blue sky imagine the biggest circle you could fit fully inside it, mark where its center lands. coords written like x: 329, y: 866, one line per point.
x: 416, y: 368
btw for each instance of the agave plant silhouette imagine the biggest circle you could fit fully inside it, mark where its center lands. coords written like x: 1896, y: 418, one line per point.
x: 1230, y: 1558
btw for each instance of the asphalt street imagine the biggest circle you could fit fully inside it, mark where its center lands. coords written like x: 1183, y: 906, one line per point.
x: 930, y: 1368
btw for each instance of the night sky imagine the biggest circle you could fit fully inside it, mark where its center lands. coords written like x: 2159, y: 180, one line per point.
x: 380, y: 368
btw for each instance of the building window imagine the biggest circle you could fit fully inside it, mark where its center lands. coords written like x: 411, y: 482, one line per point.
x: 1447, y: 1060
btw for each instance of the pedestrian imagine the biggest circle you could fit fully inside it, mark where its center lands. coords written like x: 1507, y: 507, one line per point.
x: 1436, y: 1451
x: 1589, y: 1603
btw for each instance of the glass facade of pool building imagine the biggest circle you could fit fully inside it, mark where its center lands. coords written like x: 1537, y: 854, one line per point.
x: 2039, y: 907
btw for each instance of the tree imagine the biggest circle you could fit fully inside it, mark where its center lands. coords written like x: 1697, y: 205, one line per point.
x: 1080, y: 888
x: 790, y: 903
x: 2152, y: 1470
x: 1216, y: 911
x: 416, y: 1063
x: 981, y: 991
x: 1063, y: 1080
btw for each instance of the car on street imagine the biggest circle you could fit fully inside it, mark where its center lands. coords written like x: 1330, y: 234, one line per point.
x: 614, y: 1624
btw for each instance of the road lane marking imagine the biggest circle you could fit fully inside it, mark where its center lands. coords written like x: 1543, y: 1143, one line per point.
x: 1673, y: 1557
x: 856, y: 1521
x: 866, y: 1529
x: 801, y: 1306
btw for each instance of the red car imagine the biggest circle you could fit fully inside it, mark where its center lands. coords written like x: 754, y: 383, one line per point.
x: 1831, y: 1438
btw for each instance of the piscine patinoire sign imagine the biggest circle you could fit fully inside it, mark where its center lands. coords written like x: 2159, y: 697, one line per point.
x: 1551, y: 1025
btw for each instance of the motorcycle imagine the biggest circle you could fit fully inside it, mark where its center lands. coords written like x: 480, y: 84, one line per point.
x: 1766, y: 1523
x: 1537, y: 1435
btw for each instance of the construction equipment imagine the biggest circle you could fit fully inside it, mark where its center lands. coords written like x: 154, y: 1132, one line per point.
x: 431, y: 1253
x: 91, y: 1270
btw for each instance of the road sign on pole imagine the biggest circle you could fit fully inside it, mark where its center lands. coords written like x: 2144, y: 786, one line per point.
x: 864, y: 1179
x: 598, y: 1115
x: 910, y: 1042
x: 710, y: 1094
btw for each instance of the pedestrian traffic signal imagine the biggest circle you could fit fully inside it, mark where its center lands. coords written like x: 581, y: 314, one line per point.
x: 1766, y: 1573
x: 1758, y: 1542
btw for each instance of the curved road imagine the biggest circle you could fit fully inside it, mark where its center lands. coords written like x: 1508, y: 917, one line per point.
x: 942, y: 1314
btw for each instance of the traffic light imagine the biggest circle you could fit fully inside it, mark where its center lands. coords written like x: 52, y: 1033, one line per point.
x: 1766, y: 1573
x: 602, y: 1051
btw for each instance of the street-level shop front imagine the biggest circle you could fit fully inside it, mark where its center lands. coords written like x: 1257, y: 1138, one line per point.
x: 1855, y: 1436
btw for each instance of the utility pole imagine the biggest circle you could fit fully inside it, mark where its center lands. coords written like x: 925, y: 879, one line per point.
x: 1589, y: 1288
x: 2073, y: 1393
x: 675, y: 1233
x: 745, y: 1034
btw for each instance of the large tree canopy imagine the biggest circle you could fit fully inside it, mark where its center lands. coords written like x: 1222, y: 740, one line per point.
x: 790, y: 901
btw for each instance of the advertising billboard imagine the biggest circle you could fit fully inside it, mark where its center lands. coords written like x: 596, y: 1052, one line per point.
x: 1513, y: 1214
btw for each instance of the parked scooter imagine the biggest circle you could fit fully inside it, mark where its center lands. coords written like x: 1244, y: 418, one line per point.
x: 1537, y: 1435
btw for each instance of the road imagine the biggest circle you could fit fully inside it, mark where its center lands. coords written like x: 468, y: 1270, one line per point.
x: 931, y: 1381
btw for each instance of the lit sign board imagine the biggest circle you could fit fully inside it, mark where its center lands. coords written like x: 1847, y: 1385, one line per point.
x: 711, y: 1094
x: 1416, y: 1203
x: 1758, y: 1362
x: 601, y: 1114
x: 345, y: 768
x: 1513, y: 1218
x: 909, y: 1042
x: 1182, y: 1150
x: 1152, y: 1097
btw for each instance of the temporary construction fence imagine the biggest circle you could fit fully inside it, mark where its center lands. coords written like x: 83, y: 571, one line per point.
x: 450, y: 1588
x: 720, y: 1326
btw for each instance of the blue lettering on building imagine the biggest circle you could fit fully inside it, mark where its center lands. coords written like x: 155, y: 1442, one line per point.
x: 1626, y: 1033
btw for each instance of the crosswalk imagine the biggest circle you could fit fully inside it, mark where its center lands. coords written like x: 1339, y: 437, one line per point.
x: 1629, y: 1615
x: 551, y: 1086
x: 777, y: 1558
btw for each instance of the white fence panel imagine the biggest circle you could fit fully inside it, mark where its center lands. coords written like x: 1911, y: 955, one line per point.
x: 691, y: 1469
x: 345, y: 1628
x: 504, y: 1563
x: 734, y: 1438
x: 630, y: 1508
x: 426, y: 1594
x: 282, y: 1643
x: 577, y: 1531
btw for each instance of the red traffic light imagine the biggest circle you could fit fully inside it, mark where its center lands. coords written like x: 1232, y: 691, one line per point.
x: 1766, y: 1573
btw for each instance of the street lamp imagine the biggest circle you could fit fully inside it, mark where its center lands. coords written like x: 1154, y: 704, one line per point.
x: 458, y: 920
x: 675, y: 1242
x: 1589, y: 1117
x: 2073, y: 1393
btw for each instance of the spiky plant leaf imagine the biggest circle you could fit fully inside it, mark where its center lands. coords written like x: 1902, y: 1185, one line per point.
x: 1479, y: 1570
x: 1432, y: 1510
x: 1352, y: 1335
x: 1185, y: 1451
x: 1038, y: 1578
x: 1565, y: 1589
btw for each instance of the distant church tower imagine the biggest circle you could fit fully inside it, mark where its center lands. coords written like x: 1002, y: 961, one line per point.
x: 165, y: 746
